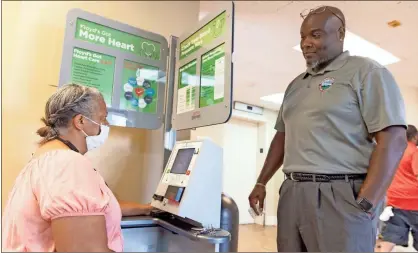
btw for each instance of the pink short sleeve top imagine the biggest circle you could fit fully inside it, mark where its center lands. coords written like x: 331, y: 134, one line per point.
x: 57, y: 184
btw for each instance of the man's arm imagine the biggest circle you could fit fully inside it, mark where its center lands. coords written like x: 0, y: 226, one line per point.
x: 273, y: 162
x: 275, y: 155
x: 383, y: 110
x: 274, y: 159
x: 391, y: 144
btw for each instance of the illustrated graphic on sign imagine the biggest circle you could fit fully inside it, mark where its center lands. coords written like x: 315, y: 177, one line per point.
x: 212, y: 78
x: 94, y: 69
x: 148, y: 48
x: 218, y: 26
x: 203, y: 36
x: 186, y: 95
x: 103, y: 35
x: 140, y: 87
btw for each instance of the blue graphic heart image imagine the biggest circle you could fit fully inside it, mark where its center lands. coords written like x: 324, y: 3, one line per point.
x: 132, y: 81
x: 134, y: 102
x: 150, y: 92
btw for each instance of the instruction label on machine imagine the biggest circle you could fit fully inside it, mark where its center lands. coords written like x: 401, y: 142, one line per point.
x: 187, y: 87
x: 94, y: 69
x: 212, y: 77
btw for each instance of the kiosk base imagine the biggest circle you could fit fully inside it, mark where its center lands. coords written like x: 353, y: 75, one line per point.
x: 150, y: 234
x: 158, y: 239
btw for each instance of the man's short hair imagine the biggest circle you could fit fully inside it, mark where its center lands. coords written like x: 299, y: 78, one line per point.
x: 411, y: 132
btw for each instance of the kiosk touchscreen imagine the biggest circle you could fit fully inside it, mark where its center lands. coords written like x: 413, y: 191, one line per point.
x: 191, y: 185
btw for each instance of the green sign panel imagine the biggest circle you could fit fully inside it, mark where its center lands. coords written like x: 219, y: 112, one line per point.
x: 212, y: 78
x: 94, y: 69
x: 139, y: 87
x: 186, y: 98
x: 103, y: 35
x: 203, y: 36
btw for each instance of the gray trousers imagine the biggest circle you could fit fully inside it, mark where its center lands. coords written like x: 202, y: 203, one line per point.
x: 323, y: 217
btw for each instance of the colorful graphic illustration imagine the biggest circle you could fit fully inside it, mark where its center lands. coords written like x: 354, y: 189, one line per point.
x: 217, y: 27
x: 326, y: 84
x: 140, y: 87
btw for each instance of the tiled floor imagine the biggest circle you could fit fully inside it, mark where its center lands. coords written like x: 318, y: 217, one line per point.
x: 256, y: 238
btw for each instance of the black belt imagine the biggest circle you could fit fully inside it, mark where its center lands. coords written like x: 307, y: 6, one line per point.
x: 307, y: 177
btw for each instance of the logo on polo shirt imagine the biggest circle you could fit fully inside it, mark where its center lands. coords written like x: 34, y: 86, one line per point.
x: 326, y: 84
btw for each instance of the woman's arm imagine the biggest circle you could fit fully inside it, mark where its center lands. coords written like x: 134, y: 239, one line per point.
x: 129, y: 208
x: 80, y: 234
x: 134, y: 209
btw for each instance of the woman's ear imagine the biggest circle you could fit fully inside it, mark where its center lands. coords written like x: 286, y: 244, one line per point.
x: 78, y: 122
x: 341, y: 33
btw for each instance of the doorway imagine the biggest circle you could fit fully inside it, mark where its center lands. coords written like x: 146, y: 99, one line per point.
x: 240, y: 163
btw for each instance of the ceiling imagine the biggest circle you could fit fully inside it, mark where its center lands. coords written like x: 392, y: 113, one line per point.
x: 266, y: 31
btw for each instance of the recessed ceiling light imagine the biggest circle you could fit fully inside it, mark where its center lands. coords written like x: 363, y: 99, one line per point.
x: 361, y: 47
x: 394, y: 23
x: 276, y: 98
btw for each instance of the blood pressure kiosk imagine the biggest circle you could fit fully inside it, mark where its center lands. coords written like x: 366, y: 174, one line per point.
x: 148, y: 83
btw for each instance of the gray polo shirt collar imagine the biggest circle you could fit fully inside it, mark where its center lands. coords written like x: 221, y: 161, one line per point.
x: 336, y: 64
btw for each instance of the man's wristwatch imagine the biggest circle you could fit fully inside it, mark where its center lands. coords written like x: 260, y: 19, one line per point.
x: 364, y: 204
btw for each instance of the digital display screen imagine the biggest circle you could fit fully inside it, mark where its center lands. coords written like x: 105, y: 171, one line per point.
x: 182, y: 161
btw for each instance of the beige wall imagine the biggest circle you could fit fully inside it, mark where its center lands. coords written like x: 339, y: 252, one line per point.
x: 33, y: 34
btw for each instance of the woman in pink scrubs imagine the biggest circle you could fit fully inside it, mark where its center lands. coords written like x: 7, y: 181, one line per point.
x: 59, y: 202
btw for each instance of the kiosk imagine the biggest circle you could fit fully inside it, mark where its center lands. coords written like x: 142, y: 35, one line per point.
x: 191, y: 185
x: 147, y: 83
x: 188, y: 200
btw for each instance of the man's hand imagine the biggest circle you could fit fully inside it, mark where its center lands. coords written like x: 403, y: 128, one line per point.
x: 257, y: 196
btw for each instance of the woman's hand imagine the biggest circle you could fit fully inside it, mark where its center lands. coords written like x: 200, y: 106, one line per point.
x: 134, y: 209
x: 147, y: 209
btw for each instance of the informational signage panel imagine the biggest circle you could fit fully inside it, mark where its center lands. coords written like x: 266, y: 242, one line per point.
x: 94, y: 70
x: 126, y: 64
x: 203, y: 83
